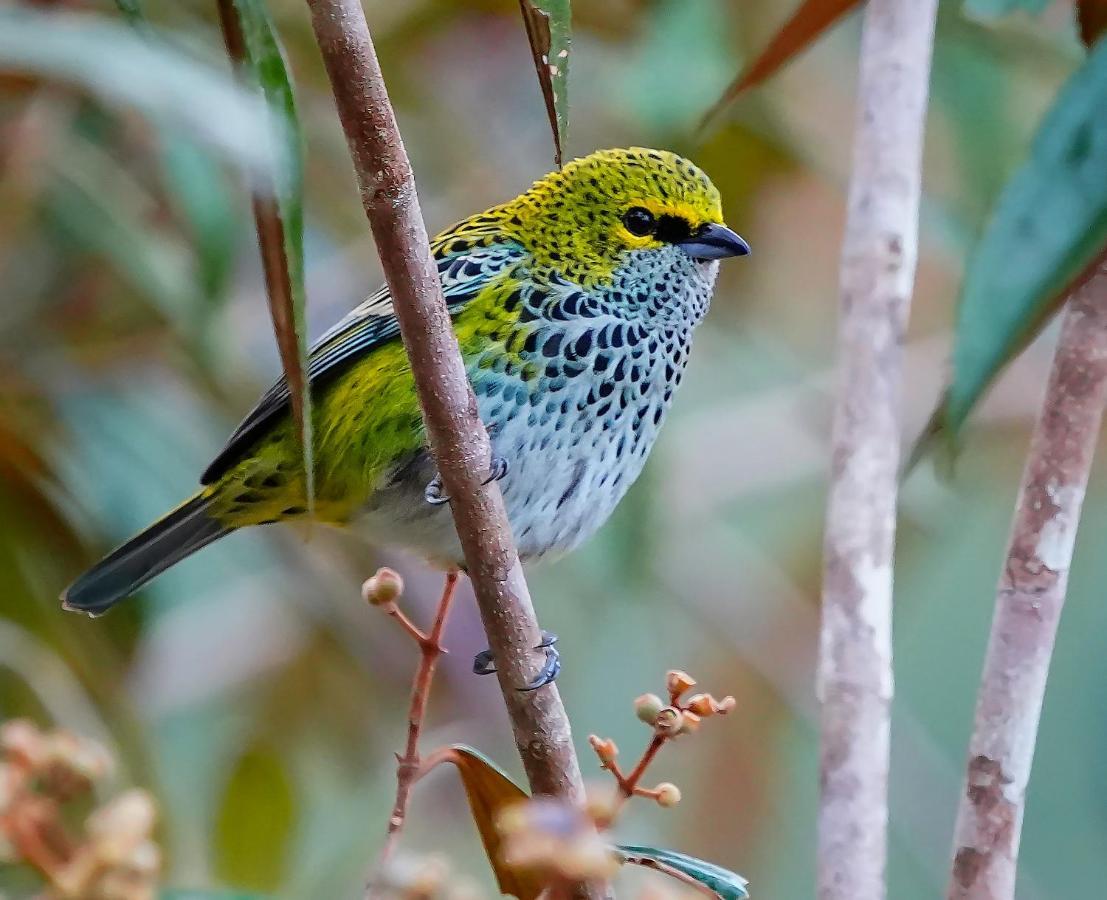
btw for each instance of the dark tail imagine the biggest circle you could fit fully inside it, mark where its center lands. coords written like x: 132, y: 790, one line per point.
x: 123, y: 571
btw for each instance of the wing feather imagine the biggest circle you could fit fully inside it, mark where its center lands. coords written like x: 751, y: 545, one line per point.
x: 464, y: 273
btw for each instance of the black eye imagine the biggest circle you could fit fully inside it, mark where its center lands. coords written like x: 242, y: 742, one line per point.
x: 639, y: 221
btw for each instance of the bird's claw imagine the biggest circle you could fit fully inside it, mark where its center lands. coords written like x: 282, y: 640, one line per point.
x: 433, y: 492
x: 496, y: 471
x: 484, y: 664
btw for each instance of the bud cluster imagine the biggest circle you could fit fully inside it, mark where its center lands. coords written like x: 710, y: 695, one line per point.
x: 679, y: 716
x: 557, y: 840
x: 668, y: 720
x: 40, y: 773
x: 422, y: 878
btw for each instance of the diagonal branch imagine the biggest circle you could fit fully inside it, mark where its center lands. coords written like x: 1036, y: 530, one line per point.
x: 1029, y: 599
x: 877, y: 272
x: 457, y: 438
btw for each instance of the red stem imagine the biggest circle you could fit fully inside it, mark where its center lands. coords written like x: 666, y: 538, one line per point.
x: 407, y: 770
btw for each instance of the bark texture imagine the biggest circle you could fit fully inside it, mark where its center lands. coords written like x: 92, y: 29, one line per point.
x: 854, y: 679
x: 457, y: 438
x: 1029, y: 599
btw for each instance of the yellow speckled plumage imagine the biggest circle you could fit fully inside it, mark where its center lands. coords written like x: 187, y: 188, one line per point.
x: 573, y: 305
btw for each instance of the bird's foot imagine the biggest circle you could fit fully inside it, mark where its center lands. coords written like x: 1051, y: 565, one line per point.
x: 484, y: 664
x: 497, y: 470
x: 433, y: 492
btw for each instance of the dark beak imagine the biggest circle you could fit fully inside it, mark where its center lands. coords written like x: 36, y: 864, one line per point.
x: 714, y: 242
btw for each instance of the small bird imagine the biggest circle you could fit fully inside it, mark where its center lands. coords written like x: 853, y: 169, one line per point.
x: 574, y: 306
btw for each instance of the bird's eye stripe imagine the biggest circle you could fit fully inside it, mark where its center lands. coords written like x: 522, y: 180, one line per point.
x: 673, y: 229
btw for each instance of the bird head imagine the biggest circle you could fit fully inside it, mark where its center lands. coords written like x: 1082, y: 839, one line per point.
x: 587, y: 220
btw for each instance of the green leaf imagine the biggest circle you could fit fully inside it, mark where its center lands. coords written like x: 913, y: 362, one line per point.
x: 1049, y: 225
x: 132, y: 12
x: 490, y: 790
x: 128, y: 70
x: 726, y: 884
x: 993, y: 9
x: 548, y: 31
x: 256, y: 820
x: 252, y: 40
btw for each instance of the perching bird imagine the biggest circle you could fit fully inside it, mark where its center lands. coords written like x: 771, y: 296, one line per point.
x: 574, y: 305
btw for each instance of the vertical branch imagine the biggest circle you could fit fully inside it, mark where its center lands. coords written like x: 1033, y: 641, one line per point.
x: 1029, y: 599
x: 457, y: 438
x: 877, y: 273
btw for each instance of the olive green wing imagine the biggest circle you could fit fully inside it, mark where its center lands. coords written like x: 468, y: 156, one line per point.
x: 465, y: 268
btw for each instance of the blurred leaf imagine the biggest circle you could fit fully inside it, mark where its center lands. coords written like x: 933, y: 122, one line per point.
x: 200, y: 194
x: 489, y: 791
x: 993, y: 9
x: 132, y: 12
x: 199, y: 191
x: 806, y: 24
x: 256, y: 821
x: 1092, y: 15
x: 192, y: 894
x: 726, y: 884
x: 100, y: 206
x: 279, y: 214
x: 548, y: 31
x: 1049, y: 225
x: 123, y: 68
x: 660, y: 61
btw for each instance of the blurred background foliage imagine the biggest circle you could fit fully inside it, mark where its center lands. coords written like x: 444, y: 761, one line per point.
x: 252, y: 690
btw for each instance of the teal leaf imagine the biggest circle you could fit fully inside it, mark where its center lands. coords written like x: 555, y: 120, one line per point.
x: 125, y: 69
x: 548, y: 31
x: 1049, y: 225
x: 252, y: 40
x: 201, y: 197
x: 993, y: 9
x: 726, y: 884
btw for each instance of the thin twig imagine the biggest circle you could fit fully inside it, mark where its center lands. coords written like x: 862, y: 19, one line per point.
x: 628, y: 784
x: 458, y: 440
x: 877, y: 271
x: 1029, y: 599
x: 408, y: 765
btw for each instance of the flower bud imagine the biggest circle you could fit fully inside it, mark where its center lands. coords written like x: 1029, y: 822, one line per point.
x: 691, y: 722
x: 71, y: 764
x: 667, y: 794
x: 677, y: 682
x: 21, y: 740
x: 727, y: 704
x: 669, y: 722
x: 605, y: 748
x: 647, y: 707
x: 120, y: 826
x: 512, y: 819
x: 601, y: 808
x: 701, y: 704
x: 383, y: 588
